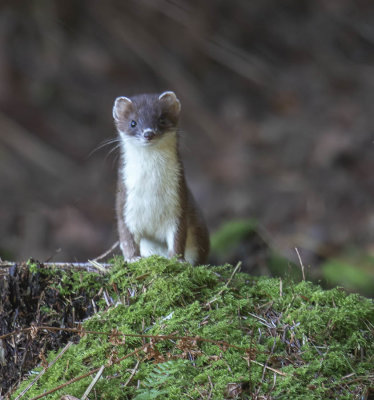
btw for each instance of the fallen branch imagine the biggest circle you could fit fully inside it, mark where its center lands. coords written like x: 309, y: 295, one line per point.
x: 90, y: 266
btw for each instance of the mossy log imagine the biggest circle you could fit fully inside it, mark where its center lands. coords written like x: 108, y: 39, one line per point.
x: 161, y: 329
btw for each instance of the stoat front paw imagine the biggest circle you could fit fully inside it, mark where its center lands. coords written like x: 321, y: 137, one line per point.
x: 132, y: 259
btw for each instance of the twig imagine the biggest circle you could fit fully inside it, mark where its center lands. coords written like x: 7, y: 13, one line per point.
x: 238, y: 265
x: 93, y: 383
x: 301, y: 263
x: 269, y: 368
x: 97, y: 265
x: 268, y: 359
x: 349, y: 375
x: 78, y: 378
x: 106, y: 298
x: 132, y: 374
x: 44, y: 370
x: 211, y: 387
x: 14, y: 333
x: 262, y: 320
x: 101, y: 256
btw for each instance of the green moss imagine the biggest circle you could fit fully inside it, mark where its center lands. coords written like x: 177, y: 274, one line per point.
x: 32, y: 265
x: 309, y: 339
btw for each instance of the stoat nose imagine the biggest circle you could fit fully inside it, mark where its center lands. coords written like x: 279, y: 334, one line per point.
x: 148, y: 134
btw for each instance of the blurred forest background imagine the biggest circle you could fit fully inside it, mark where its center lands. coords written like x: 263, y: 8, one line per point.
x: 277, y: 119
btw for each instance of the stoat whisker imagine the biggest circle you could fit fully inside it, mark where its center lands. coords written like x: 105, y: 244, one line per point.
x: 116, y: 154
x: 106, y: 142
x: 113, y: 149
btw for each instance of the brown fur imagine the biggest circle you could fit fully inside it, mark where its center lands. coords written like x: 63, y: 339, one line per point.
x: 129, y: 248
x: 147, y: 109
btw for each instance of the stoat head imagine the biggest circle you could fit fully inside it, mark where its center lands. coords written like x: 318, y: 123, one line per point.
x: 147, y: 119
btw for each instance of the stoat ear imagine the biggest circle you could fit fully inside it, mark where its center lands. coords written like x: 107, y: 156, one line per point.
x: 122, y: 105
x: 171, y: 101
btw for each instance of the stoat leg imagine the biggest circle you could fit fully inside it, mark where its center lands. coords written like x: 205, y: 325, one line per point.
x: 130, y: 249
x: 176, y: 239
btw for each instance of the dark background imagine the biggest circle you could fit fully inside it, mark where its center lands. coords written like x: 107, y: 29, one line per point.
x: 277, y: 117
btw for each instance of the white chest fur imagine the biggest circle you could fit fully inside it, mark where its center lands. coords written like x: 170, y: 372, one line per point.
x: 151, y: 177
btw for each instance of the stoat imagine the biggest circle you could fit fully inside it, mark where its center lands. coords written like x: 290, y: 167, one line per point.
x: 156, y: 212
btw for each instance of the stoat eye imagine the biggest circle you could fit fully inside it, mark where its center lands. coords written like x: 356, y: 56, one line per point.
x: 133, y: 124
x: 162, y: 120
